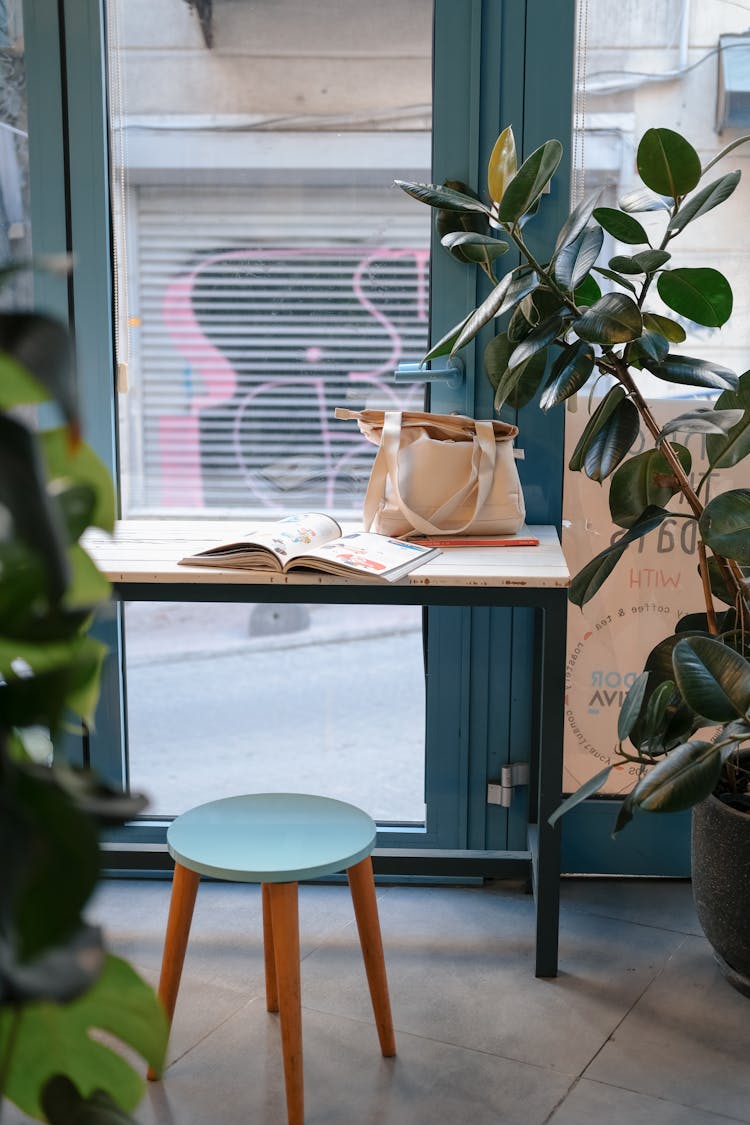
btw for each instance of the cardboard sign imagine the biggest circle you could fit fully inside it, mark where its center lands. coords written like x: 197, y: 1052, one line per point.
x: 654, y: 584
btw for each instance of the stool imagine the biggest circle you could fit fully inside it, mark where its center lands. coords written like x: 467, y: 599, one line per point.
x: 277, y: 839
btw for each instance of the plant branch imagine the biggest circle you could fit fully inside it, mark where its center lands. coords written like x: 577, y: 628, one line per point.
x: 713, y: 624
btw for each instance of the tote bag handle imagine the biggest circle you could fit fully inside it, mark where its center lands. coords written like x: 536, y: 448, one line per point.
x: 386, y: 466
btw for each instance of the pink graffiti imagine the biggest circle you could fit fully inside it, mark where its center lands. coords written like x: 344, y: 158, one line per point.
x: 213, y: 380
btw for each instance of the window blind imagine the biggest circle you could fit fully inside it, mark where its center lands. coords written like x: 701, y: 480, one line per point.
x: 254, y: 312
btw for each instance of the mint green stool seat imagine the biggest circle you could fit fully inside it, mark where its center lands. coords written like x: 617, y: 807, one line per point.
x: 271, y: 837
x: 277, y: 840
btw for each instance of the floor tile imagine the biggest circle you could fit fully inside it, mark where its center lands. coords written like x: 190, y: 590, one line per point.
x: 461, y: 968
x: 687, y: 1040
x: 639, y: 1009
x: 590, y: 1103
x: 666, y: 903
x: 428, y: 1083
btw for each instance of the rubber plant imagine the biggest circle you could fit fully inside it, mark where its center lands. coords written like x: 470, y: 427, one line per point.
x: 58, y: 983
x: 568, y: 319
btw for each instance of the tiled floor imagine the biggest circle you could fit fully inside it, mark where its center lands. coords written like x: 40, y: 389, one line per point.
x: 639, y: 1027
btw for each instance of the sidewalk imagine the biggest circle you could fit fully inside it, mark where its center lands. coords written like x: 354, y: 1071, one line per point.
x: 165, y: 631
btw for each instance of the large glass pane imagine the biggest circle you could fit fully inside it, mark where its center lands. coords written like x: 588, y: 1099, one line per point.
x: 15, y: 224
x: 684, y: 67
x: 267, y: 271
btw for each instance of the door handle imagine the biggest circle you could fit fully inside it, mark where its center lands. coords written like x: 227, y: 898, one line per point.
x: 452, y: 375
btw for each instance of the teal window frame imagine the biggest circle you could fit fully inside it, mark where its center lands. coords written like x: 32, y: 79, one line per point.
x: 487, y: 55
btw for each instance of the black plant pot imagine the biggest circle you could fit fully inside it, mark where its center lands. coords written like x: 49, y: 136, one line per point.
x: 721, y: 885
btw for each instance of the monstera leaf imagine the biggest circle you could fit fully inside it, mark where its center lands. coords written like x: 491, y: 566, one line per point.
x: 51, y: 1039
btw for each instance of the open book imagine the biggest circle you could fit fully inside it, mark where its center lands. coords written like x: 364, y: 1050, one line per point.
x: 313, y: 541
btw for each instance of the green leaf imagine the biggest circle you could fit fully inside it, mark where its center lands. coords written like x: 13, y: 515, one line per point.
x: 524, y: 281
x: 576, y: 259
x: 614, y: 319
x: 63, y: 1105
x: 721, y: 589
x: 479, y: 249
x: 529, y: 182
x: 599, y: 418
x: 612, y: 441
x: 725, y: 525
x: 686, y: 776
x: 693, y: 372
x: 438, y: 195
x: 80, y: 465
x: 621, y: 226
x: 513, y: 287
x: 702, y: 421
x: 57, y: 975
x: 670, y: 329
x: 18, y: 386
x: 622, y: 263
x: 728, y: 450
x: 570, y: 371
x: 667, y: 163
x: 651, y: 260
x: 641, y: 199
x: 650, y: 347
x: 645, y: 479
x: 44, y: 347
x: 496, y: 357
x: 489, y: 308
x: 616, y: 277
x: 88, y: 586
x: 588, y: 292
x: 648, y: 261
x: 51, y: 860
x: 502, y: 165
x: 445, y: 343
x: 714, y: 679
x: 121, y: 1004
x: 518, y: 385
x: 536, y: 340
x: 589, y: 580
x: 624, y: 815
x: 631, y: 708
x: 23, y: 495
x: 451, y: 222
x: 704, y: 200
x: 650, y: 731
x: 593, y: 785
x: 65, y: 674
x: 576, y: 221
x: 702, y: 295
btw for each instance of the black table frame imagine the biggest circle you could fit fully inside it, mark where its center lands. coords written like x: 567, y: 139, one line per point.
x: 542, y: 859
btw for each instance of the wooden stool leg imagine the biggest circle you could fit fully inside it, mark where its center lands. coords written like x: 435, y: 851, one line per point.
x: 272, y: 995
x: 285, y: 926
x: 184, y: 889
x: 362, y: 884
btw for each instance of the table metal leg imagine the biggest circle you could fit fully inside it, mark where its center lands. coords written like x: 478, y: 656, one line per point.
x: 545, y: 841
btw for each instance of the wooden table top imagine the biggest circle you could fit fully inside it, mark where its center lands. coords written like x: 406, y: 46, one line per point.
x: 148, y: 551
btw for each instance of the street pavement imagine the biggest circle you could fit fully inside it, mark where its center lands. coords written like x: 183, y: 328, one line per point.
x: 225, y: 699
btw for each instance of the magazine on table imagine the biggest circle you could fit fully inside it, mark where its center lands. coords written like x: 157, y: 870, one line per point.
x: 315, y: 541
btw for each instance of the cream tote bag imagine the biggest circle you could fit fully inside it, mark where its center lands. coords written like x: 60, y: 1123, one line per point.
x: 440, y: 474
